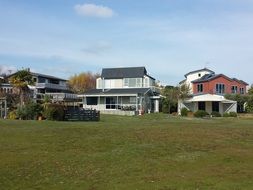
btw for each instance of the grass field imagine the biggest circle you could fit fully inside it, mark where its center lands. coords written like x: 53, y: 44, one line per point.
x: 153, y: 152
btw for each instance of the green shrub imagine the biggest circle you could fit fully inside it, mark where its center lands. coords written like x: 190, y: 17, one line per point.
x: 184, y: 112
x: 226, y: 114
x: 230, y: 114
x: 29, y: 111
x: 216, y: 114
x: 200, y: 113
x: 233, y: 114
x: 53, y: 112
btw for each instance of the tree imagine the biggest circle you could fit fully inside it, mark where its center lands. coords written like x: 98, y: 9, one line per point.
x: 20, y: 80
x: 184, y: 91
x: 170, y: 98
x: 250, y: 92
x: 82, y: 82
x: 240, y: 99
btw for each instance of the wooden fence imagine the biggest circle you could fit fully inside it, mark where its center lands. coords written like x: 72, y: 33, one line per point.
x: 82, y: 115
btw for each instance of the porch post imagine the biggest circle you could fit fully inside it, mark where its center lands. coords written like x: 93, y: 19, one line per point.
x: 98, y: 102
x: 221, y: 108
x: 156, y: 106
x: 117, y: 106
x: 136, y: 103
x: 5, y: 109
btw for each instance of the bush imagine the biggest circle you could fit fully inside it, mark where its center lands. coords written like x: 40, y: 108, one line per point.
x: 200, y: 113
x: 29, y: 111
x: 216, y: 114
x: 53, y: 112
x: 12, y: 115
x: 233, y: 114
x: 184, y: 112
x: 226, y: 115
x: 230, y: 114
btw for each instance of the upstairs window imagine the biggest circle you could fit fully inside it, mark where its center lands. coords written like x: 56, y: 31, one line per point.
x: 220, y: 88
x: 242, y: 91
x: 133, y: 82
x: 234, y: 89
x: 200, y: 88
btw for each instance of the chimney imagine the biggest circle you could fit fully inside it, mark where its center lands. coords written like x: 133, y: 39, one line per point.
x: 103, y: 84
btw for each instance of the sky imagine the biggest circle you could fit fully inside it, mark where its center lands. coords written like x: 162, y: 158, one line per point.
x: 168, y: 37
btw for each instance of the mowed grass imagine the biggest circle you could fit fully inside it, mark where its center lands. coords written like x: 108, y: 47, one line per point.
x: 124, y: 153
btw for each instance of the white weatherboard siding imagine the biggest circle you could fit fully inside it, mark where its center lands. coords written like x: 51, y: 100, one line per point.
x: 195, y: 76
x: 145, y: 82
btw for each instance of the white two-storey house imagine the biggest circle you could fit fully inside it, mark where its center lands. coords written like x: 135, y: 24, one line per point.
x: 123, y: 91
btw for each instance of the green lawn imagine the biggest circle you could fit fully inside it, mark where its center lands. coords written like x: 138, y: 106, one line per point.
x: 127, y: 153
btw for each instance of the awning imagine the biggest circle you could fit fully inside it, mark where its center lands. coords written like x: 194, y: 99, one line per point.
x: 209, y: 98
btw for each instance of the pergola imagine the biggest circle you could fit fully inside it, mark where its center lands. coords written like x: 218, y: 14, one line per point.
x: 3, y: 107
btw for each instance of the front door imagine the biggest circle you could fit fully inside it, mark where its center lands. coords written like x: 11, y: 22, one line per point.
x: 110, y: 102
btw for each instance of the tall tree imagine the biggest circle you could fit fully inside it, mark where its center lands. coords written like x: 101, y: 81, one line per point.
x: 184, y: 91
x: 82, y: 82
x: 250, y: 92
x: 20, y: 80
x: 170, y: 99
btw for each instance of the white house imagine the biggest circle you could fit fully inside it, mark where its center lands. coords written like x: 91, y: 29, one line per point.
x: 123, y: 91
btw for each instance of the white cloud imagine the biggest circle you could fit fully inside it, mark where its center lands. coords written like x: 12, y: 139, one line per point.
x: 92, y: 10
x: 97, y: 48
x: 5, y: 69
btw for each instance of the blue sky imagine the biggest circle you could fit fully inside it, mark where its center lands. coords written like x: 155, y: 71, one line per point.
x: 169, y: 37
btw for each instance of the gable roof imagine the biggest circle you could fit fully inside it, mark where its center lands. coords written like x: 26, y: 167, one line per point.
x: 196, y: 71
x: 209, y: 77
x: 124, y: 72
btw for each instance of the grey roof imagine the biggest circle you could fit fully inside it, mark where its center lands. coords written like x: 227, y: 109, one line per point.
x: 118, y: 91
x: 47, y: 76
x: 40, y: 75
x: 209, y: 77
x: 124, y: 72
x: 204, y: 69
x: 183, y: 81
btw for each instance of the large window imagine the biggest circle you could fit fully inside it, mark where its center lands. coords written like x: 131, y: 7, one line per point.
x: 202, y: 106
x: 92, y: 100
x: 234, y: 89
x: 200, y: 88
x: 132, y: 100
x: 220, y: 88
x: 216, y: 106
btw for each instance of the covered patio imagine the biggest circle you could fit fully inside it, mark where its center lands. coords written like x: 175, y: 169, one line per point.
x: 209, y: 103
x: 121, y: 101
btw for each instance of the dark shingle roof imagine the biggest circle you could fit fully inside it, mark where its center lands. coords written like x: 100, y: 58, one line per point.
x: 118, y: 91
x: 209, y: 77
x: 47, y: 76
x: 196, y: 71
x: 124, y: 72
